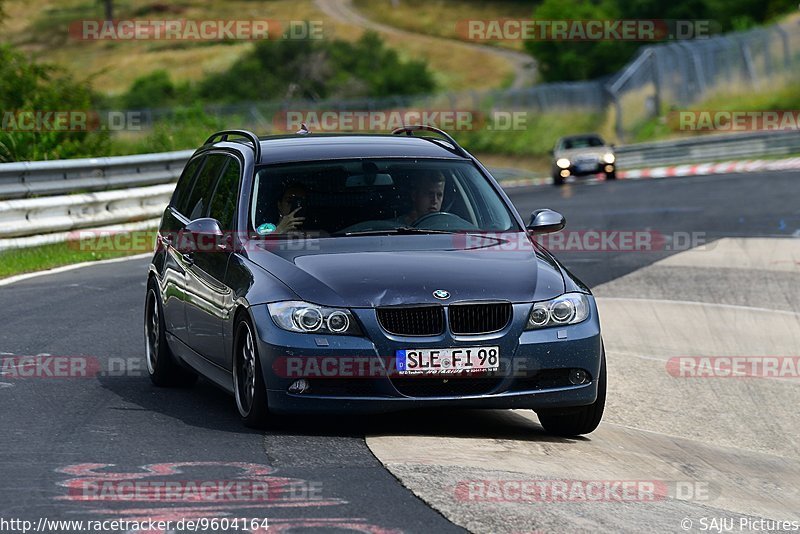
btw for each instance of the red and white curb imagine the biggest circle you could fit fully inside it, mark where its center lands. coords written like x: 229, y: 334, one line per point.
x: 703, y: 169
x: 700, y: 169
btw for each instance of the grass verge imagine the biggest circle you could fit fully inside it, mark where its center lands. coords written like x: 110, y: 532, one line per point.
x: 443, y: 18
x: 536, y: 138
x: 102, y: 247
x: 780, y: 95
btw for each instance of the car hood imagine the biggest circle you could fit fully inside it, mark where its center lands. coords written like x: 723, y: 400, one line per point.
x: 394, y: 270
x: 597, y: 152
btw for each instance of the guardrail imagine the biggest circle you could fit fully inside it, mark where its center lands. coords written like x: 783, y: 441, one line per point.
x: 700, y: 149
x: 45, y: 178
x: 130, y: 192
x: 32, y: 216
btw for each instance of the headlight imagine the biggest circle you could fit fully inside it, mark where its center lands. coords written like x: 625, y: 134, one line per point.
x: 569, y: 308
x: 608, y: 157
x: 297, y: 316
x: 563, y: 163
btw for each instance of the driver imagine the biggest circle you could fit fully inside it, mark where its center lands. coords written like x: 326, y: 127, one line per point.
x: 426, y: 197
x: 292, y: 200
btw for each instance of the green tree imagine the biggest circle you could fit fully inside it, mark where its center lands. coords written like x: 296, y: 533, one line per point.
x: 378, y: 67
x: 313, y: 70
x: 108, y: 9
x: 579, y: 60
x: 565, y: 60
x: 31, y: 87
x: 150, y: 91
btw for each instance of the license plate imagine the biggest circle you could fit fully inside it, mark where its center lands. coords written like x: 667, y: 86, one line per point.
x: 586, y: 166
x: 446, y: 361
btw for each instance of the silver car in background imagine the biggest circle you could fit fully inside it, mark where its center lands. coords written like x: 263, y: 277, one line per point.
x: 583, y: 155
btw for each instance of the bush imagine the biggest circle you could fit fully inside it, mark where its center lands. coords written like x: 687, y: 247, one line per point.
x: 187, y: 127
x: 379, y: 68
x: 308, y: 69
x: 32, y: 87
x: 152, y: 90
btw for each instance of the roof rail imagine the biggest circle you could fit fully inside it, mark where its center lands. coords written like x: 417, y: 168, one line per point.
x: 409, y: 130
x: 250, y: 136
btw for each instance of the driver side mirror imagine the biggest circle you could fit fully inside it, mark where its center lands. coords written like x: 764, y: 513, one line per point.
x: 545, y: 221
x: 203, y: 235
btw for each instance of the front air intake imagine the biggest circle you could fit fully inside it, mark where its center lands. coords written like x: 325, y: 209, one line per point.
x: 412, y: 321
x: 484, y: 318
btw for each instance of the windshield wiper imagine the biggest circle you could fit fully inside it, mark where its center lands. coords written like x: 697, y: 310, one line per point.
x: 402, y: 230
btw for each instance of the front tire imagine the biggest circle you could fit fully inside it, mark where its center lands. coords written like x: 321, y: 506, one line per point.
x: 611, y: 175
x: 161, y: 365
x: 248, y: 379
x: 558, y: 180
x: 580, y: 420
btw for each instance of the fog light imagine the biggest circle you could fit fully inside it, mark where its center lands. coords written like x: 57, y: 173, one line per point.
x: 302, y: 385
x: 564, y: 173
x: 609, y: 168
x: 578, y: 376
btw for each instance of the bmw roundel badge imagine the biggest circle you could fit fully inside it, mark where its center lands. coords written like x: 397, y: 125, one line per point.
x: 441, y: 294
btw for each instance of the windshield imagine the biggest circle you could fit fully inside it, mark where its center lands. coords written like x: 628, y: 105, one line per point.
x: 582, y: 142
x: 376, y: 196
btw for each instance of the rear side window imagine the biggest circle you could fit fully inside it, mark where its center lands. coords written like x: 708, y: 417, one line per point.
x: 180, y: 198
x: 200, y: 197
x: 223, y: 203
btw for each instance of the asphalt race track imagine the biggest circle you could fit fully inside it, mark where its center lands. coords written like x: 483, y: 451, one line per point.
x: 69, y: 444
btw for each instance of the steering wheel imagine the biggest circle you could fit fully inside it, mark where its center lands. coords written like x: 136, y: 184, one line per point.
x: 433, y: 215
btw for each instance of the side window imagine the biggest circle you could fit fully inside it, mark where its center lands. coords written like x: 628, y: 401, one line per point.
x: 180, y: 198
x: 203, y: 186
x: 223, y: 203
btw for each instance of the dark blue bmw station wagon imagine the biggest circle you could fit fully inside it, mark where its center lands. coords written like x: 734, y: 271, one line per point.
x: 366, y: 273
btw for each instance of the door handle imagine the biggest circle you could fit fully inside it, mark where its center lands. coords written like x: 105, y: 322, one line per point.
x: 188, y: 257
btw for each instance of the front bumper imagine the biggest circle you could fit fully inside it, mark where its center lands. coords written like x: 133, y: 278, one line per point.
x: 599, y: 168
x: 533, y: 373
